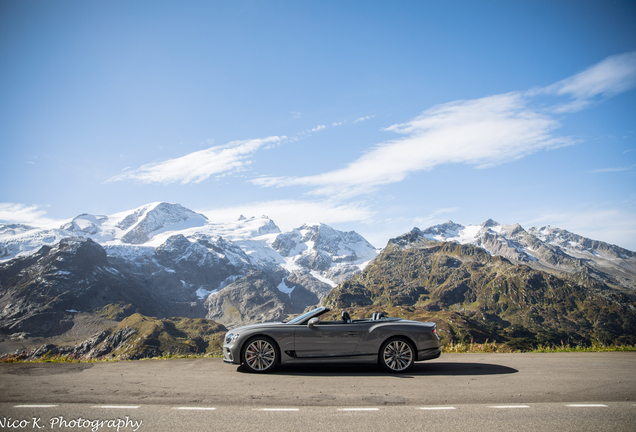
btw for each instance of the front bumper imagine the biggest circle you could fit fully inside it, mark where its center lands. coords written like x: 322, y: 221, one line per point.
x: 231, y: 354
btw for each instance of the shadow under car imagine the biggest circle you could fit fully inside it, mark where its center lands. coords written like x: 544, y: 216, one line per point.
x: 418, y: 369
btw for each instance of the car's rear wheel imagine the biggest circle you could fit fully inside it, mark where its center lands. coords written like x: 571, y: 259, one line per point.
x: 397, y: 355
x: 260, y: 355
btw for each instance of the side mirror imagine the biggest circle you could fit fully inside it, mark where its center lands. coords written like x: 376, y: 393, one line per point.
x: 312, y: 322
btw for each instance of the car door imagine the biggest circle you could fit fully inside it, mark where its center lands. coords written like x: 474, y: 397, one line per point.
x: 326, y: 339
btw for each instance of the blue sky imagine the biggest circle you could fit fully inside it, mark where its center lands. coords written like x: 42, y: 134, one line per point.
x: 368, y: 116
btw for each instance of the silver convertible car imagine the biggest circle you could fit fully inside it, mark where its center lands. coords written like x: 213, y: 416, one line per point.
x: 394, y: 343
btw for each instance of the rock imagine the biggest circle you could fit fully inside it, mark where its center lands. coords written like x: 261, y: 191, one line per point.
x: 489, y: 297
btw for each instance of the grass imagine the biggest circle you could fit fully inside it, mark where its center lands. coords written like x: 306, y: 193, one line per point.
x: 12, y: 358
x: 47, y: 358
x: 451, y: 348
x: 493, y: 347
x: 185, y: 356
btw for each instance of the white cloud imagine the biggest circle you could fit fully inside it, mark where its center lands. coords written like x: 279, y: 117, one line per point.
x: 360, y: 119
x: 481, y: 132
x: 306, y: 133
x: 434, y: 218
x: 200, y: 165
x: 616, y: 169
x: 288, y: 214
x: 25, y: 214
x: 607, y: 78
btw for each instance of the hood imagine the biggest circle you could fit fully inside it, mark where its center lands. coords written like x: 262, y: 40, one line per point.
x: 253, y: 326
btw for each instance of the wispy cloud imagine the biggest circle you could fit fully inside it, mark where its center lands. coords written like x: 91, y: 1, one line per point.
x: 25, y: 214
x: 381, y: 231
x: 614, y: 75
x: 482, y: 132
x: 616, y: 169
x: 200, y: 165
x: 287, y: 213
x: 306, y: 133
x: 435, y: 217
x: 360, y: 119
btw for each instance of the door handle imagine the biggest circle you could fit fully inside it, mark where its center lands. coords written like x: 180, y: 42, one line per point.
x: 352, y: 333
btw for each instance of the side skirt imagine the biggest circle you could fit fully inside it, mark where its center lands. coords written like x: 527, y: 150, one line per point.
x: 344, y: 359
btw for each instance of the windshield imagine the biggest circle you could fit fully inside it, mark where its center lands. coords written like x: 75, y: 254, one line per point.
x: 306, y: 315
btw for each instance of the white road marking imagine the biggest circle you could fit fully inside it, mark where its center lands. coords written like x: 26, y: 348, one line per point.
x: 34, y: 406
x: 279, y: 409
x: 586, y: 405
x: 358, y: 409
x: 195, y: 408
x: 437, y: 408
x: 117, y: 406
x: 509, y: 406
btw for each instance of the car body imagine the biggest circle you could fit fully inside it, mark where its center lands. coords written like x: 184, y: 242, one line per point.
x: 394, y: 343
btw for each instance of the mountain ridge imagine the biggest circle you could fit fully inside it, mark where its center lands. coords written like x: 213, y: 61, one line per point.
x: 475, y: 296
x: 181, y: 258
x: 545, y: 248
x: 249, y: 270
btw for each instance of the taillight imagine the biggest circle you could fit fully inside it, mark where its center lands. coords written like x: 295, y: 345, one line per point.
x: 435, y: 330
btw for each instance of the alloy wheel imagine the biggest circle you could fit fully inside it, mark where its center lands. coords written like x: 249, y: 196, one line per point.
x: 397, y: 355
x: 260, y: 355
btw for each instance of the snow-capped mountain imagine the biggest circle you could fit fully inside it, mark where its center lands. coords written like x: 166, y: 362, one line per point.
x: 545, y: 248
x: 303, y: 264
x: 184, y: 258
x: 149, y: 225
x: 40, y: 294
x: 332, y: 256
x: 328, y: 253
x: 237, y: 272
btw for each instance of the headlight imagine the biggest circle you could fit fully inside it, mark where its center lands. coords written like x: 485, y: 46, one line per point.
x: 230, y: 337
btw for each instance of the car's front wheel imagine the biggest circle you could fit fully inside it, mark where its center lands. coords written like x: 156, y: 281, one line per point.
x: 260, y: 355
x: 397, y: 355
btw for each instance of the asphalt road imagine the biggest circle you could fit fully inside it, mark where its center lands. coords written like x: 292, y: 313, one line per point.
x: 570, y: 391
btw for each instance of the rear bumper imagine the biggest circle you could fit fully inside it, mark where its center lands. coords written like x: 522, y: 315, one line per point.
x: 429, y: 354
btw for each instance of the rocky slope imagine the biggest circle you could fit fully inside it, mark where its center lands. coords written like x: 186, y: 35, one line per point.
x: 474, y: 295
x: 485, y: 281
x: 265, y: 296
x: 547, y: 249
x: 136, y: 337
x: 41, y: 293
x: 166, y: 260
